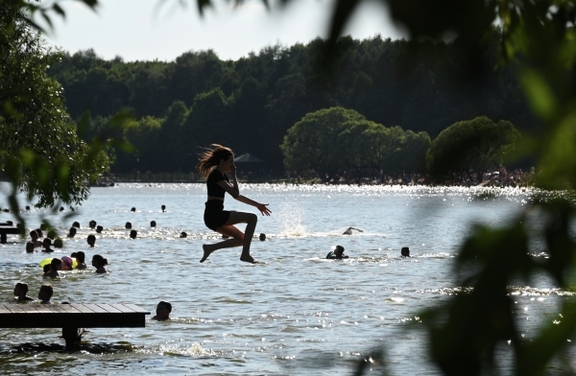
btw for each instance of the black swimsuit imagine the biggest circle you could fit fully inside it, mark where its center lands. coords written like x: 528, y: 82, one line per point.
x: 214, y: 214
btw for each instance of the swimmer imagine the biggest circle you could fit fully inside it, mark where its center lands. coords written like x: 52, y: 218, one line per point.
x: 45, y: 293
x: 34, y: 238
x: 183, y: 234
x: 92, y: 224
x: 99, y: 262
x: 72, y: 232
x: 128, y: 225
x: 67, y: 263
x: 337, y: 253
x: 349, y: 230
x: 30, y: 247
x: 76, y: 224
x: 133, y: 234
x: 99, y: 229
x: 91, y: 239
x: 80, y: 257
x: 214, y: 164
x: 262, y: 237
x: 163, y: 310
x: 46, y: 243
x: 152, y: 223
x: 405, y: 252
x: 55, y: 265
x: 163, y: 207
x: 20, y: 291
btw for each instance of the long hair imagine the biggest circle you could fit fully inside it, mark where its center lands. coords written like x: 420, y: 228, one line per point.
x: 211, y: 157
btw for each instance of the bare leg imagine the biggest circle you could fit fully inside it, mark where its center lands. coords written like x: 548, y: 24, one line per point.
x: 209, y: 248
x: 238, y: 237
x: 248, y: 235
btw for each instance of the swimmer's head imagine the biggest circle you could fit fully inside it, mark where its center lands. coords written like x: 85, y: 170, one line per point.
x: 338, y: 250
x: 405, y: 252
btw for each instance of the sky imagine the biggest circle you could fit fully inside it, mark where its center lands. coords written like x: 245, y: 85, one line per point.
x: 162, y: 30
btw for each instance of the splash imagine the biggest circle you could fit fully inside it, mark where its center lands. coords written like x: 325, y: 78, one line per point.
x: 291, y: 220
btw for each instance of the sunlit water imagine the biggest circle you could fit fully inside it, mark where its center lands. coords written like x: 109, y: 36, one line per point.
x: 294, y: 313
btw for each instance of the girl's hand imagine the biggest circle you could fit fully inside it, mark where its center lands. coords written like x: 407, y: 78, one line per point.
x: 264, y: 209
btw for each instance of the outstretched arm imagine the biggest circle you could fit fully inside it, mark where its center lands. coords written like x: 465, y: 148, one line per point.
x: 262, y: 207
x: 233, y: 189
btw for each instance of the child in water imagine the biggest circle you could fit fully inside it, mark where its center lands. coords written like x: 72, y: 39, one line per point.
x: 163, y: 310
x: 55, y: 265
x: 45, y: 293
x: 46, y: 243
x: 80, y: 257
x: 99, y: 262
x: 20, y: 291
x: 337, y: 253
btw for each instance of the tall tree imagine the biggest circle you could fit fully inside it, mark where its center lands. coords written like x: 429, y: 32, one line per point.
x: 479, y: 143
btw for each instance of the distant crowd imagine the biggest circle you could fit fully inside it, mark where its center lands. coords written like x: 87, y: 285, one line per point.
x: 498, y: 178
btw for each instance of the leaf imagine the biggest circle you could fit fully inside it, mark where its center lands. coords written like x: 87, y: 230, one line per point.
x: 539, y: 94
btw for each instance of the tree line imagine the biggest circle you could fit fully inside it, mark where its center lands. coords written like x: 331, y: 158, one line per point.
x: 251, y: 103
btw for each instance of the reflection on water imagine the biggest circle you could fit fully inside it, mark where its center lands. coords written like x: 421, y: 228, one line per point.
x: 295, y: 313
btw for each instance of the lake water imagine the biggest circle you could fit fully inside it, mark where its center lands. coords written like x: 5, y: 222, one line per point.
x: 294, y: 313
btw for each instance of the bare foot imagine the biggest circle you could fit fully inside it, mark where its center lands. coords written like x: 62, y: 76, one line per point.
x: 249, y: 259
x: 207, y: 250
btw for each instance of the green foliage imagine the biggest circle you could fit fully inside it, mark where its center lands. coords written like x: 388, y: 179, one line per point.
x: 342, y: 141
x: 479, y: 143
x: 40, y: 150
x: 408, y: 83
x: 311, y: 144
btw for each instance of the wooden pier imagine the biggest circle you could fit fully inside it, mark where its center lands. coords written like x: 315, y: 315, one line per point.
x: 7, y: 228
x: 72, y: 318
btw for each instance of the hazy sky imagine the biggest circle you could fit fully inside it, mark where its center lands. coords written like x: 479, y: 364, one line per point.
x: 163, y: 30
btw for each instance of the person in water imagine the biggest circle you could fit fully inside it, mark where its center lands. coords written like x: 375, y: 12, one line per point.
x: 47, y: 243
x: 163, y: 310
x: 99, y: 262
x: 337, y: 253
x: 20, y: 291
x: 91, y: 240
x: 80, y: 257
x: 405, y: 252
x: 350, y: 229
x: 55, y: 265
x: 72, y: 232
x: 45, y: 293
x: 214, y: 164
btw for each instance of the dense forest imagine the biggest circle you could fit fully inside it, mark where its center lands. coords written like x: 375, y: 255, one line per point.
x: 250, y: 104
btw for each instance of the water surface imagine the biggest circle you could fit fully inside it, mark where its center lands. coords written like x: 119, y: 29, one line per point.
x: 294, y: 313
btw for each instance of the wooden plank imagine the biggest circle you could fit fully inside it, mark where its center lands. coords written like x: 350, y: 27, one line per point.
x: 136, y: 308
x: 9, y: 230
x: 109, y: 308
x: 71, y: 315
x: 17, y: 308
x: 69, y: 308
x: 83, y: 308
x: 43, y: 308
x: 93, y: 308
